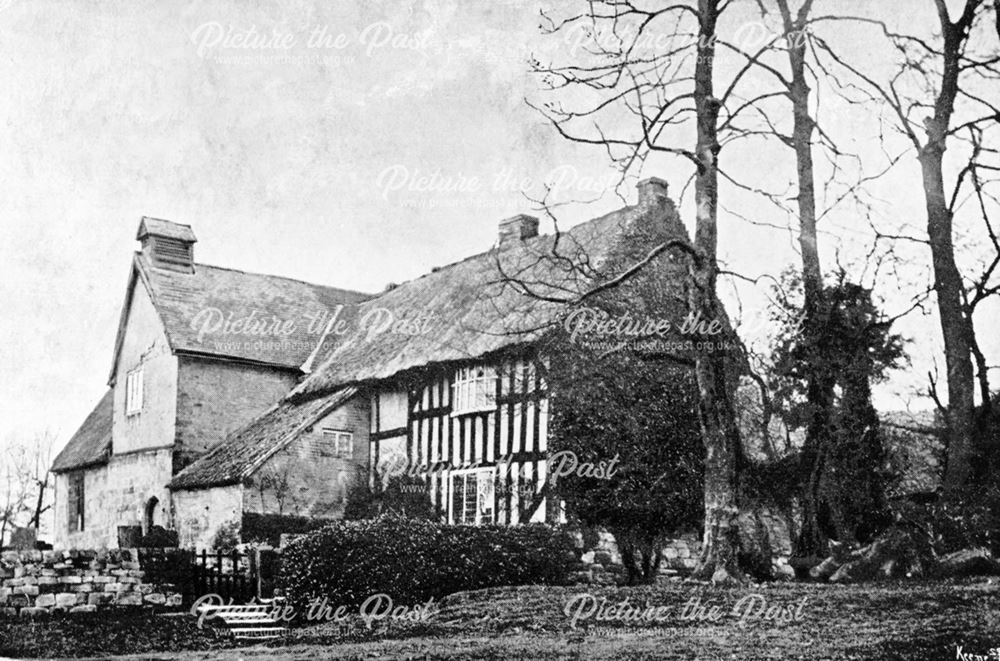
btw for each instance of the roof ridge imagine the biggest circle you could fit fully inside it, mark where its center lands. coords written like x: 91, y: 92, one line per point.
x: 282, y: 277
x: 437, y: 269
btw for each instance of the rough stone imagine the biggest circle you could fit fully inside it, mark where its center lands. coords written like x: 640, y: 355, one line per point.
x: 66, y: 599
x: 33, y: 612
x: 85, y: 608
x: 155, y: 598
x: 45, y: 600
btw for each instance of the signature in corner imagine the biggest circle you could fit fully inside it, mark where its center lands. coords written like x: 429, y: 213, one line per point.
x: 993, y: 654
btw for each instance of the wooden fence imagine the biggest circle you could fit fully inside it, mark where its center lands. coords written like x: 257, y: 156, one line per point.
x: 232, y: 575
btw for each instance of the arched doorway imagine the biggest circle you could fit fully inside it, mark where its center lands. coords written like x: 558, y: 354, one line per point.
x: 149, y: 516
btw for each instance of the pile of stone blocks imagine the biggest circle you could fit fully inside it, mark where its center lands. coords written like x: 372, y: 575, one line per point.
x: 37, y: 583
x: 599, y: 562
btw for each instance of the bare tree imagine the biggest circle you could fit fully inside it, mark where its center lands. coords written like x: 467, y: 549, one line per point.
x: 651, y: 101
x: 25, y: 495
x: 934, y: 80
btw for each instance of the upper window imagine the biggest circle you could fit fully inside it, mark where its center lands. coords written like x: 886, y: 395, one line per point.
x: 472, y: 496
x: 474, y: 389
x: 133, y: 392
x: 342, y: 442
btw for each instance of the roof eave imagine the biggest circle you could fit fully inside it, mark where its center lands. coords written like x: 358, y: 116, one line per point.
x: 193, y: 353
x: 77, y: 467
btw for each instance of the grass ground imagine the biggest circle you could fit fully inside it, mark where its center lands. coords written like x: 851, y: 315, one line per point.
x: 912, y: 621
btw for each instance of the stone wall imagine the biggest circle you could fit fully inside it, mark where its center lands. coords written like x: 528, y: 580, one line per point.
x: 36, y: 583
x: 96, y: 518
x: 306, y: 478
x: 218, y: 397
x: 116, y: 495
x: 144, y: 346
x: 200, y: 513
x: 601, y: 562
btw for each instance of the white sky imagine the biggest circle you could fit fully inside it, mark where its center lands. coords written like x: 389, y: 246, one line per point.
x: 280, y: 159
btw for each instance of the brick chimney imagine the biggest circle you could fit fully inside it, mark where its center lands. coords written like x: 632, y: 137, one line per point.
x: 516, y: 229
x: 167, y: 245
x: 652, y: 192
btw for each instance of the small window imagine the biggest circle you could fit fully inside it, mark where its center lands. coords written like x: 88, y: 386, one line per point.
x: 133, y: 392
x: 341, y: 442
x: 472, y: 497
x: 74, y: 505
x: 474, y: 389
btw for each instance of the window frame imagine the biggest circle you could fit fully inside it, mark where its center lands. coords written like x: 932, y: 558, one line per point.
x: 468, y: 384
x: 337, y: 436
x: 485, y: 485
x: 134, y: 392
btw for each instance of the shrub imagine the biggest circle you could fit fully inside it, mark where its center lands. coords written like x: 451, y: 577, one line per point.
x: 268, y: 528
x: 392, y: 494
x: 226, y: 537
x: 414, y: 560
x: 970, y: 521
x: 159, y: 537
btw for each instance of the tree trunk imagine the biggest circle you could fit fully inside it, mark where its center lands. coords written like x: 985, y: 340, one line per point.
x: 720, y: 436
x: 819, y: 387
x: 957, y: 348
x: 955, y: 326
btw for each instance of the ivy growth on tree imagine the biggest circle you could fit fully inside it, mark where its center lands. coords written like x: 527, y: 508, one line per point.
x: 643, y: 413
x: 853, y: 348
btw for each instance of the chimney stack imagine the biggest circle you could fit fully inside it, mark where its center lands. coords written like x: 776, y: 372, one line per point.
x: 516, y: 229
x: 652, y: 192
x: 167, y: 245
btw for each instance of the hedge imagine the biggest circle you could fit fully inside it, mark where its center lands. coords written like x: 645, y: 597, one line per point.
x: 268, y: 528
x: 413, y: 560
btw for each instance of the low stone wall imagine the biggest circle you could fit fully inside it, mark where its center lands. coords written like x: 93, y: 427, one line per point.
x: 35, y: 583
x: 601, y: 563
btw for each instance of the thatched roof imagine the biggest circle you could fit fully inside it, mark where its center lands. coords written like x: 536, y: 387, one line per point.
x: 91, y: 444
x: 247, y: 449
x: 194, y: 306
x: 470, y: 308
x: 458, y: 312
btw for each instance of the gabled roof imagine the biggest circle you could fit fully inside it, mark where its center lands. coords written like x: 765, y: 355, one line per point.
x: 91, y: 444
x: 166, y: 228
x: 195, y: 308
x: 246, y: 450
x: 468, y: 308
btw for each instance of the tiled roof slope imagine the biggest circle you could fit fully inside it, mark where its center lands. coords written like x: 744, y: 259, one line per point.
x: 245, y: 450
x: 470, y: 311
x: 91, y: 444
x: 189, y: 304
